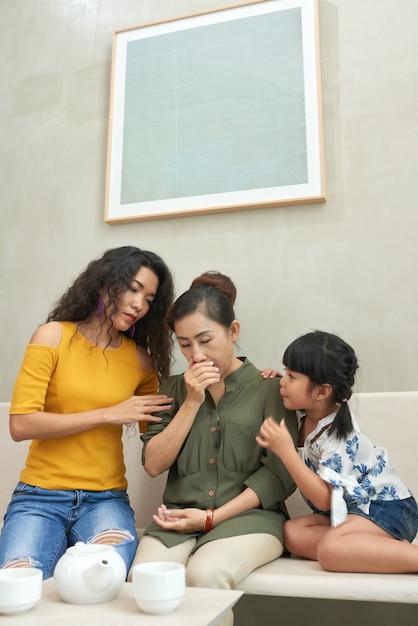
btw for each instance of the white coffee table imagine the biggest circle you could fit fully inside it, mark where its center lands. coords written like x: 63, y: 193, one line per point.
x: 199, y: 607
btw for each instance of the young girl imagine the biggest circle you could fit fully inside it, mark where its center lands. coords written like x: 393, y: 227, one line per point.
x: 364, y: 518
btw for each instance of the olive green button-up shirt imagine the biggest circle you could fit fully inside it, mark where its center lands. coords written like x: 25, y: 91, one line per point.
x: 220, y: 457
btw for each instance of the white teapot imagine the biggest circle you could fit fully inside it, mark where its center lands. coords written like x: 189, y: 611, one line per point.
x: 89, y: 572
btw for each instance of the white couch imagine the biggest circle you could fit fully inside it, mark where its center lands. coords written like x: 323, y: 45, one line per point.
x: 389, y: 419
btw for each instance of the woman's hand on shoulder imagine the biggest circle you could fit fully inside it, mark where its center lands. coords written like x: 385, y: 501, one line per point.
x: 48, y: 334
x: 267, y: 372
x: 180, y: 520
x: 138, y: 409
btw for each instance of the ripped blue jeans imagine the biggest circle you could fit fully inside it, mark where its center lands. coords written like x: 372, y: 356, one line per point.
x: 40, y: 524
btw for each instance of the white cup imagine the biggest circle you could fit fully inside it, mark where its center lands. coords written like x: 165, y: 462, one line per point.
x: 158, y: 587
x: 20, y: 589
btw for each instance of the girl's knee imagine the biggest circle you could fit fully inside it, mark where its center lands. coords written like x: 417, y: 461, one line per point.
x: 291, y: 535
x: 327, y: 554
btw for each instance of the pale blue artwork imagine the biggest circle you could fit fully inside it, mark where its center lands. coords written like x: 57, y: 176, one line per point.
x: 216, y: 108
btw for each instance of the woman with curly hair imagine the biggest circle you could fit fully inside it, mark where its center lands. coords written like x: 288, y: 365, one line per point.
x: 94, y: 366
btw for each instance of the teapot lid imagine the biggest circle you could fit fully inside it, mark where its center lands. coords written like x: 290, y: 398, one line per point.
x: 87, y: 549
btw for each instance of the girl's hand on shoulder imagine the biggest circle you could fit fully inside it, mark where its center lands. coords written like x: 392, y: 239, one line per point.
x: 180, y: 520
x: 269, y: 373
x: 198, y: 377
x: 275, y: 436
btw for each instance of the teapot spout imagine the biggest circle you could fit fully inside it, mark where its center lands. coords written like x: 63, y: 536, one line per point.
x: 99, y: 576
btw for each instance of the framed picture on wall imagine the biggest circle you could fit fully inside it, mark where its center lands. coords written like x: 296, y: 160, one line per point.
x: 218, y: 111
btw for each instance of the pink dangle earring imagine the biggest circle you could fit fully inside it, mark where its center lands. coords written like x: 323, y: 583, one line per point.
x: 100, y: 308
x: 131, y: 331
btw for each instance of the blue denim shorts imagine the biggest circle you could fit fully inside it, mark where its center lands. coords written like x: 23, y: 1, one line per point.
x: 397, y: 517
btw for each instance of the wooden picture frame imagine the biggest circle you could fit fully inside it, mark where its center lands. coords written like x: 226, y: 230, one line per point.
x: 218, y: 111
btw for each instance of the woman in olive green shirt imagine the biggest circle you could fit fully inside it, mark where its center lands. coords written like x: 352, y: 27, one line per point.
x: 223, y: 505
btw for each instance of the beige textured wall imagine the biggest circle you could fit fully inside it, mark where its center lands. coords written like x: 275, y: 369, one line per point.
x: 348, y: 265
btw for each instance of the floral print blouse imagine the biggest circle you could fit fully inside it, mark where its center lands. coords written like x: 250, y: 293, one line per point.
x: 359, y: 471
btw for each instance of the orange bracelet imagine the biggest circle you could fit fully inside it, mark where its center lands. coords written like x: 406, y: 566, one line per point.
x: 209, y: 520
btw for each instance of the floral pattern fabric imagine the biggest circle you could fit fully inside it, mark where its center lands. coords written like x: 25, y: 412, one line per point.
x: 358, y: 470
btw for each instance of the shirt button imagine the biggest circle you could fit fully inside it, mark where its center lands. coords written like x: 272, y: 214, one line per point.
x: 213, y: 429
x: 211, y: 492
x: 211, y: 461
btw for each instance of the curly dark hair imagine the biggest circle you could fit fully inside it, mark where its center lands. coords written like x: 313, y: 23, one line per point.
x: 113, y: 273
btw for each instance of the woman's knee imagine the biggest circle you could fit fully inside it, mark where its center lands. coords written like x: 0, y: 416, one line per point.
x: 208, y: 575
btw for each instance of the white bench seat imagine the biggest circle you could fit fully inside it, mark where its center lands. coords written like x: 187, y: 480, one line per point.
x: 292, y: 577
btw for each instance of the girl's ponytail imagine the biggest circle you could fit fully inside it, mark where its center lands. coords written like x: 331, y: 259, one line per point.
x: 342, y: 424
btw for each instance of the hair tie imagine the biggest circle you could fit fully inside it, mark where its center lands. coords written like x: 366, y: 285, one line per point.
x: 345, y: 400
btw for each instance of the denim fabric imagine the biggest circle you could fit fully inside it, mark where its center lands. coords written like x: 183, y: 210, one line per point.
x: 397, y: 517
x: 40, y: 524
